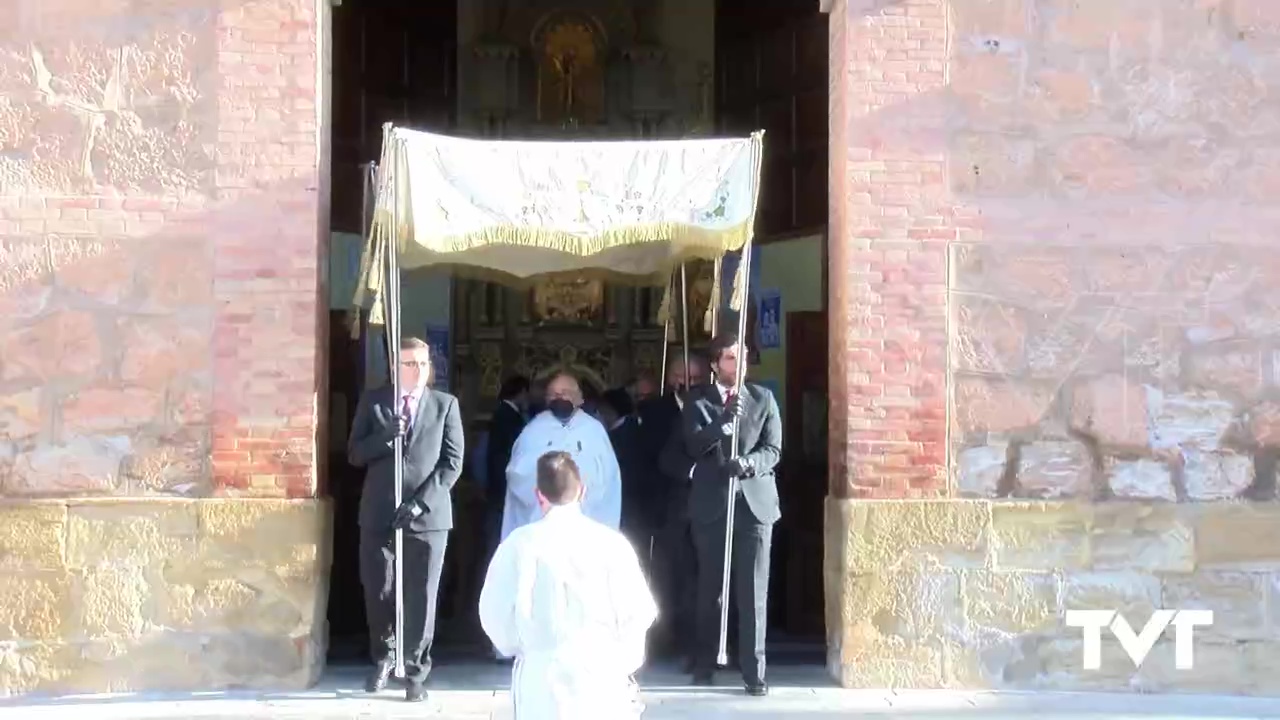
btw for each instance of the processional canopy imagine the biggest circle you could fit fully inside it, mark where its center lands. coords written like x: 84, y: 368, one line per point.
x: 517, y: 211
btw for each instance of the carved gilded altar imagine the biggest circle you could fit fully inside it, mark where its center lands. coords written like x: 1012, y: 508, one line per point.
x: 567, y: 69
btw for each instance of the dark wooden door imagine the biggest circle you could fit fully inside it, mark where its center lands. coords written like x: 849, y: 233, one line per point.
x: 771, y: 65
x: 803, y: 488
x: 393, y: 61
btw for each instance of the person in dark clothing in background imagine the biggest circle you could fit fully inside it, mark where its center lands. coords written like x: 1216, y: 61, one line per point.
x: 509, y: 418
x: 641, y: 493
x: 674, y: 559
x: 505, y: 425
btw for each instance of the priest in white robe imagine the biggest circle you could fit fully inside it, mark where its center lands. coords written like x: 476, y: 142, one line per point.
x: 563, y: 427
x: 565, y: 596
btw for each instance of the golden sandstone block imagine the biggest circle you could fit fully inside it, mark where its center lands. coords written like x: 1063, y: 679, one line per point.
x: 35, y: 605
x: 163, y: 593
x: 1135, y: 536
x: 1040, y: 535
x: 130, y: 532
x: 32, y: 536
x: 1237, y: 535
x: 973, y: 594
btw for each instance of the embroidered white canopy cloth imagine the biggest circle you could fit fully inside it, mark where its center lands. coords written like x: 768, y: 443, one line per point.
x: 519, y: 210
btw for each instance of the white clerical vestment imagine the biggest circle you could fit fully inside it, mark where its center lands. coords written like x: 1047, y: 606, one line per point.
x: 566, y: 598
x: 587, y: 441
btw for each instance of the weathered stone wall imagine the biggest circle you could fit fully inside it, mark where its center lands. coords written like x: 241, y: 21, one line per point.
x: 1053, y: 278
x: 159, y: 247
x: 115, y: 595
x: 160, y: 341
x: 1115, y: 320
x: 970, y: 594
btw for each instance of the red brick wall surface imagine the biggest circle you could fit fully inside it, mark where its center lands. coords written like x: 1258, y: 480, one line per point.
x: 159, y: 247
x: 890, y: 224
x: 1099, y: 180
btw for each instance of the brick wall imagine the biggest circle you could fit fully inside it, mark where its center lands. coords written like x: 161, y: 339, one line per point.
x: 160, y: 208
x: 1099, y: 178
x: 891, y: 221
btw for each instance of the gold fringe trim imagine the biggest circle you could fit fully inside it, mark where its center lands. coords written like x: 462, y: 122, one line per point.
x: 713, y: 302
x: 664, y: 309
x: 687, y: 242
x: 740, y: 279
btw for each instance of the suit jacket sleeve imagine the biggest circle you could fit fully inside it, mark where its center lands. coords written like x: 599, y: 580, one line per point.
x: 452, y: 447
x: 702, y: 434
x: 368, y: 440
x: 764, y: 457
x: 674, y: 462
x: 502, y: 439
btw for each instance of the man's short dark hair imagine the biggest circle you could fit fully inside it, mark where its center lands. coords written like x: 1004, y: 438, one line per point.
x: 619, y: 400
x: 413, y: 343
x: 558, y: 477
x: 513, y: 386
x: 720, y: 343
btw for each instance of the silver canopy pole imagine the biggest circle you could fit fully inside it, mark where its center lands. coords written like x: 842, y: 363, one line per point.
x: 684, y: 320
x: 722, y: 658
x: 666, y: 343
x: 392, y: 311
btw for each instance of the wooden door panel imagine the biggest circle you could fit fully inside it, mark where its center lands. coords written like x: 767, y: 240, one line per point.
x: 772, y: 63
x: 804, y: 488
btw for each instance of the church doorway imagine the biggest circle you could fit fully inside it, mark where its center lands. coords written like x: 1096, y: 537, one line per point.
x: 635, y: 69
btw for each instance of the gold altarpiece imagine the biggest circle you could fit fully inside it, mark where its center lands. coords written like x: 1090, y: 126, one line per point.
x: 563, y: 71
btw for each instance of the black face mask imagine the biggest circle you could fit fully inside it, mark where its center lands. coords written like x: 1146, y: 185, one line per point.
x: 561, y: 408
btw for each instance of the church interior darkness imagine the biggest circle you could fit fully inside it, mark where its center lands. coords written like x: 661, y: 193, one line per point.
x: 588, y: 69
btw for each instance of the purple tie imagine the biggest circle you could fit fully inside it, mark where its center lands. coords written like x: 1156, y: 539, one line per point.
x: 406, y: 411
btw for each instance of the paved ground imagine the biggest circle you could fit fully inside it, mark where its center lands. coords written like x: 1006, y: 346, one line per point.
x: 468, y: 692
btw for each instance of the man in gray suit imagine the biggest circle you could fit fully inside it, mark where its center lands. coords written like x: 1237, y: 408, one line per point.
x: 707, y: 420
x: 431, y: 425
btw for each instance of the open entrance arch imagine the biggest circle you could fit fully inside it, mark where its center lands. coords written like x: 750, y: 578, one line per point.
x: 712, y: 70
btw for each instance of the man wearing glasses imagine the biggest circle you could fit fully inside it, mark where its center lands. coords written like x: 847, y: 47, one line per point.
x: 431, y: 425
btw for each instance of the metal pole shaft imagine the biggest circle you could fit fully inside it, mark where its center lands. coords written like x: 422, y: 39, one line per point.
x: 684, y: 319
x: 715, y: 307
x: 722, y: 657
x: 666, y: 345
x: 392, y: 311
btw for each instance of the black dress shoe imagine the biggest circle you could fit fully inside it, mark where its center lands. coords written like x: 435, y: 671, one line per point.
x: 757, y: 689
x: 377, y: 682
x: 703, y: 679
x: 415, y: 692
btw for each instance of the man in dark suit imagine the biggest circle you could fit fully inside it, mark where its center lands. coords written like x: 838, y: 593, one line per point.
x: 674, y: 558
x: 431, y: 425
x: 708, y: 420
x: 508, y: 420
x: 641, y: 494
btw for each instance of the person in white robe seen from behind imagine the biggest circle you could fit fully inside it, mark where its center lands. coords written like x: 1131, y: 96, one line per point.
x: 565, y: 596
x: 563, y: 427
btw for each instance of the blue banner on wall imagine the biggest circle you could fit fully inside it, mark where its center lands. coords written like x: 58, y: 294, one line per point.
x: 438, y: 339
x: 769, y: 318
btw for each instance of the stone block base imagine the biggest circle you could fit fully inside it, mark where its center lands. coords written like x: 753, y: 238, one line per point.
x: 110, y: 595
x: 972, y: 594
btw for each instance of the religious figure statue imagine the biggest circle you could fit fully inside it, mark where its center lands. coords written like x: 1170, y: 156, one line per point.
x: 565, y: 65
x: 570, y: 73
